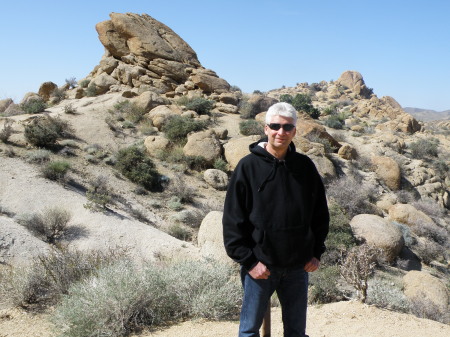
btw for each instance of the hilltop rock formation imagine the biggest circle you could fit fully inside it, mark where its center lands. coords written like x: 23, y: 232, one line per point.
x: 144, y: 54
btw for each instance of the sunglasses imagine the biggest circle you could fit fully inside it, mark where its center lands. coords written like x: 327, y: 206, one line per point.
x: 277, y: 126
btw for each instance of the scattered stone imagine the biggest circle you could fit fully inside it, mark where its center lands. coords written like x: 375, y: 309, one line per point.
x: 216, y: 178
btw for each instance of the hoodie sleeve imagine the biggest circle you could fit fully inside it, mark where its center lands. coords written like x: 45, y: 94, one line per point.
x: 320, y: 216
x: 237, y: 229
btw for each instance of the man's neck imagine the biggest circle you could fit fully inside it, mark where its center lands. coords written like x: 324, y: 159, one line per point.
x: 277, y: 153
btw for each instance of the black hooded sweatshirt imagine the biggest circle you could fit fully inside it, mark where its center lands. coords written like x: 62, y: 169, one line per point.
x: 275, y: 210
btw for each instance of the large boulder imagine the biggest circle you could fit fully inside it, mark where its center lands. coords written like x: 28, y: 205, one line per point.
x: 203, y: 144
x: 210, y: 238
x: 355, y: 82
x: 46, y: 89
x: 5, y: 103
x: 388, y: 171
x: 149, y: 100
x: 103, y: 82
x: 380, y: 233
x: 216, y: 178
x: 421, y: 286
x: 209, y: 83
x: 409, y: 215
x: 237, y: 148
x: 143, y: 36
x: 311, y: 130
x: 156, y: 144
x: 348, y: 152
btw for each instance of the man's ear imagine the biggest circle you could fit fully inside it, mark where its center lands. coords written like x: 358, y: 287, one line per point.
x: 266, y: 129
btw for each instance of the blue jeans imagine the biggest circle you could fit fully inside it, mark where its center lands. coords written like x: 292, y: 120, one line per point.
x: 291, y: 286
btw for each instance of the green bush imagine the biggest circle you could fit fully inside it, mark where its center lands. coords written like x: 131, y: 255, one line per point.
x: 49, y: 225
x: 91, y: 90
x: 56, y: 170
x: 134, y: 164
x: 84, y: 83
x: 50, y: 276
x: 301, y: 102
x: 178, y: 127
x: 424, y: 148
x: 45, y: 131
x: 200, y: 105
x: 220, y: 164
x: 126, y: 110
x: 34, y: 106
x: 247, y: 109
x: 387, y: 295
x: 98, y: 194
x: 334, y: 122
x: 38, y: 156
x: 7, y: 130
x: 251, y: 127
x: 120, y: 298
x: 324, y: 283
x: 180, y: 232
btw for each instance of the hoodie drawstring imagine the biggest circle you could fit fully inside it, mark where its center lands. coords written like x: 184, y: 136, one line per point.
x: 271, y: 174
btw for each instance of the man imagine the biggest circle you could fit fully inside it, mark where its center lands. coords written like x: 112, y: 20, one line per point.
x: 275, y: 223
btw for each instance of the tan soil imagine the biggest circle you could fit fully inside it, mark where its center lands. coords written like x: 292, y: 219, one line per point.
x: 336, y: 319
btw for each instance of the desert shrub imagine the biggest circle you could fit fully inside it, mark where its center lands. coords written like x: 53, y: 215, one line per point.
x: 200, y: 105
x: 334, y: 122
x: 251, y: 127
x: 120, y: 298
x: 301, y: 102
x: 126, y: 110
x: 220, y: 164
x: 91, y: 90
x: 247, y: 109
x: 441, y: 168
x: 179, y: 231
x: 84, y: 83
x: 351, y: 196
x: 134, y: 164
x: 179, y: 188
x: 178, y: 127
x: 423, y: 307
x: 430, y: 208
x: 175, y: 203
x: 315, y: 138
x: 235, y: 88
x: 34, y: 106
x: 357, y: 266
x: 324, y: 283
x: 38, y: 156
x: 56, y: 170
x: 45, y: 131
x: 49, y: 276
x: 428, y: 250
x: 340, y: 236
x: 424, y: 148
x: 58, y: 95
x: 70, y: 109
x: 49, y: 225
x: 7, y: 130
x: 98, y: 194
x: 71, y: 82
x: 409, y: 239
x: 386, y: 294
x: 405, y: 196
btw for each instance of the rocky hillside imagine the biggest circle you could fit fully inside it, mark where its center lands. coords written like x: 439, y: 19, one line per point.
x: 386, y: 172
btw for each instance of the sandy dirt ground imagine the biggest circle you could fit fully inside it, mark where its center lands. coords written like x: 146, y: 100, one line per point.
x: 331, y: 320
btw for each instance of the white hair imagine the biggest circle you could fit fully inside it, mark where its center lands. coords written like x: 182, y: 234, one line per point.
x: 281, y: 109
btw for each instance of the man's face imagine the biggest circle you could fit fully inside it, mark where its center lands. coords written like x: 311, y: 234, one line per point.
x: 280, y: 139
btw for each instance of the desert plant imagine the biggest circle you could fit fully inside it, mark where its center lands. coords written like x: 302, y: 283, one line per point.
x: 91, y: 90
x: 251, y: 127
x: 334, y: 122
x: 180, y: 231
x: 134, y: 164
x: 48, y: 225
x: 357, y: 266
x: 58, y: 95
x: 70, y: 109
x: 177, y: 128
x: 34, y: 106
x: 45, y: 131
x: 85, y: 83
x: 247, y: 109
x: 50, y: 276
x: 38, y: 156
x: 200, y: 105
x: 351, y: 196
x: 56, y: 170
x: 301, y: 102
x: 7, y: 130
x: 71, y: 82
x: 325, y: 285
x: 220, y: 164
x: 126, y: 110
x: 421, y: 306
x: 424, y: 148
x: 179, y: 188
x: 386, y: 294
x: 98, y: 194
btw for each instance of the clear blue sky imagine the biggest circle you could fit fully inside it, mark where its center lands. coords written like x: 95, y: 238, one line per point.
x: 402, y: 48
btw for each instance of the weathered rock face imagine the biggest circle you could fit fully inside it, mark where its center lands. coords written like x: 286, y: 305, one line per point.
x: 5, y: 103
x: 46, y: 89
x: 237, y: 148
x: 210, y: 238
x: 156, y: 144
x: 380, y: 233
x: 143, y: 53
x: 355, y: 82
x: 423, y: 286
x: 203, y: 144
x: 143, y: 37
x: 388, y: 170
x: 216, y: 178
x: 409, y: 215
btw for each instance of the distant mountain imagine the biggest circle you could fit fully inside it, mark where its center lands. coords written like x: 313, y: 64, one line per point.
x: 426, y: 115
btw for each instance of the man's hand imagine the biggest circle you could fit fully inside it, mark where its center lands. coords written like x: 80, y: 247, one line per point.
x: 260, y: 271
x: 312, y: 265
